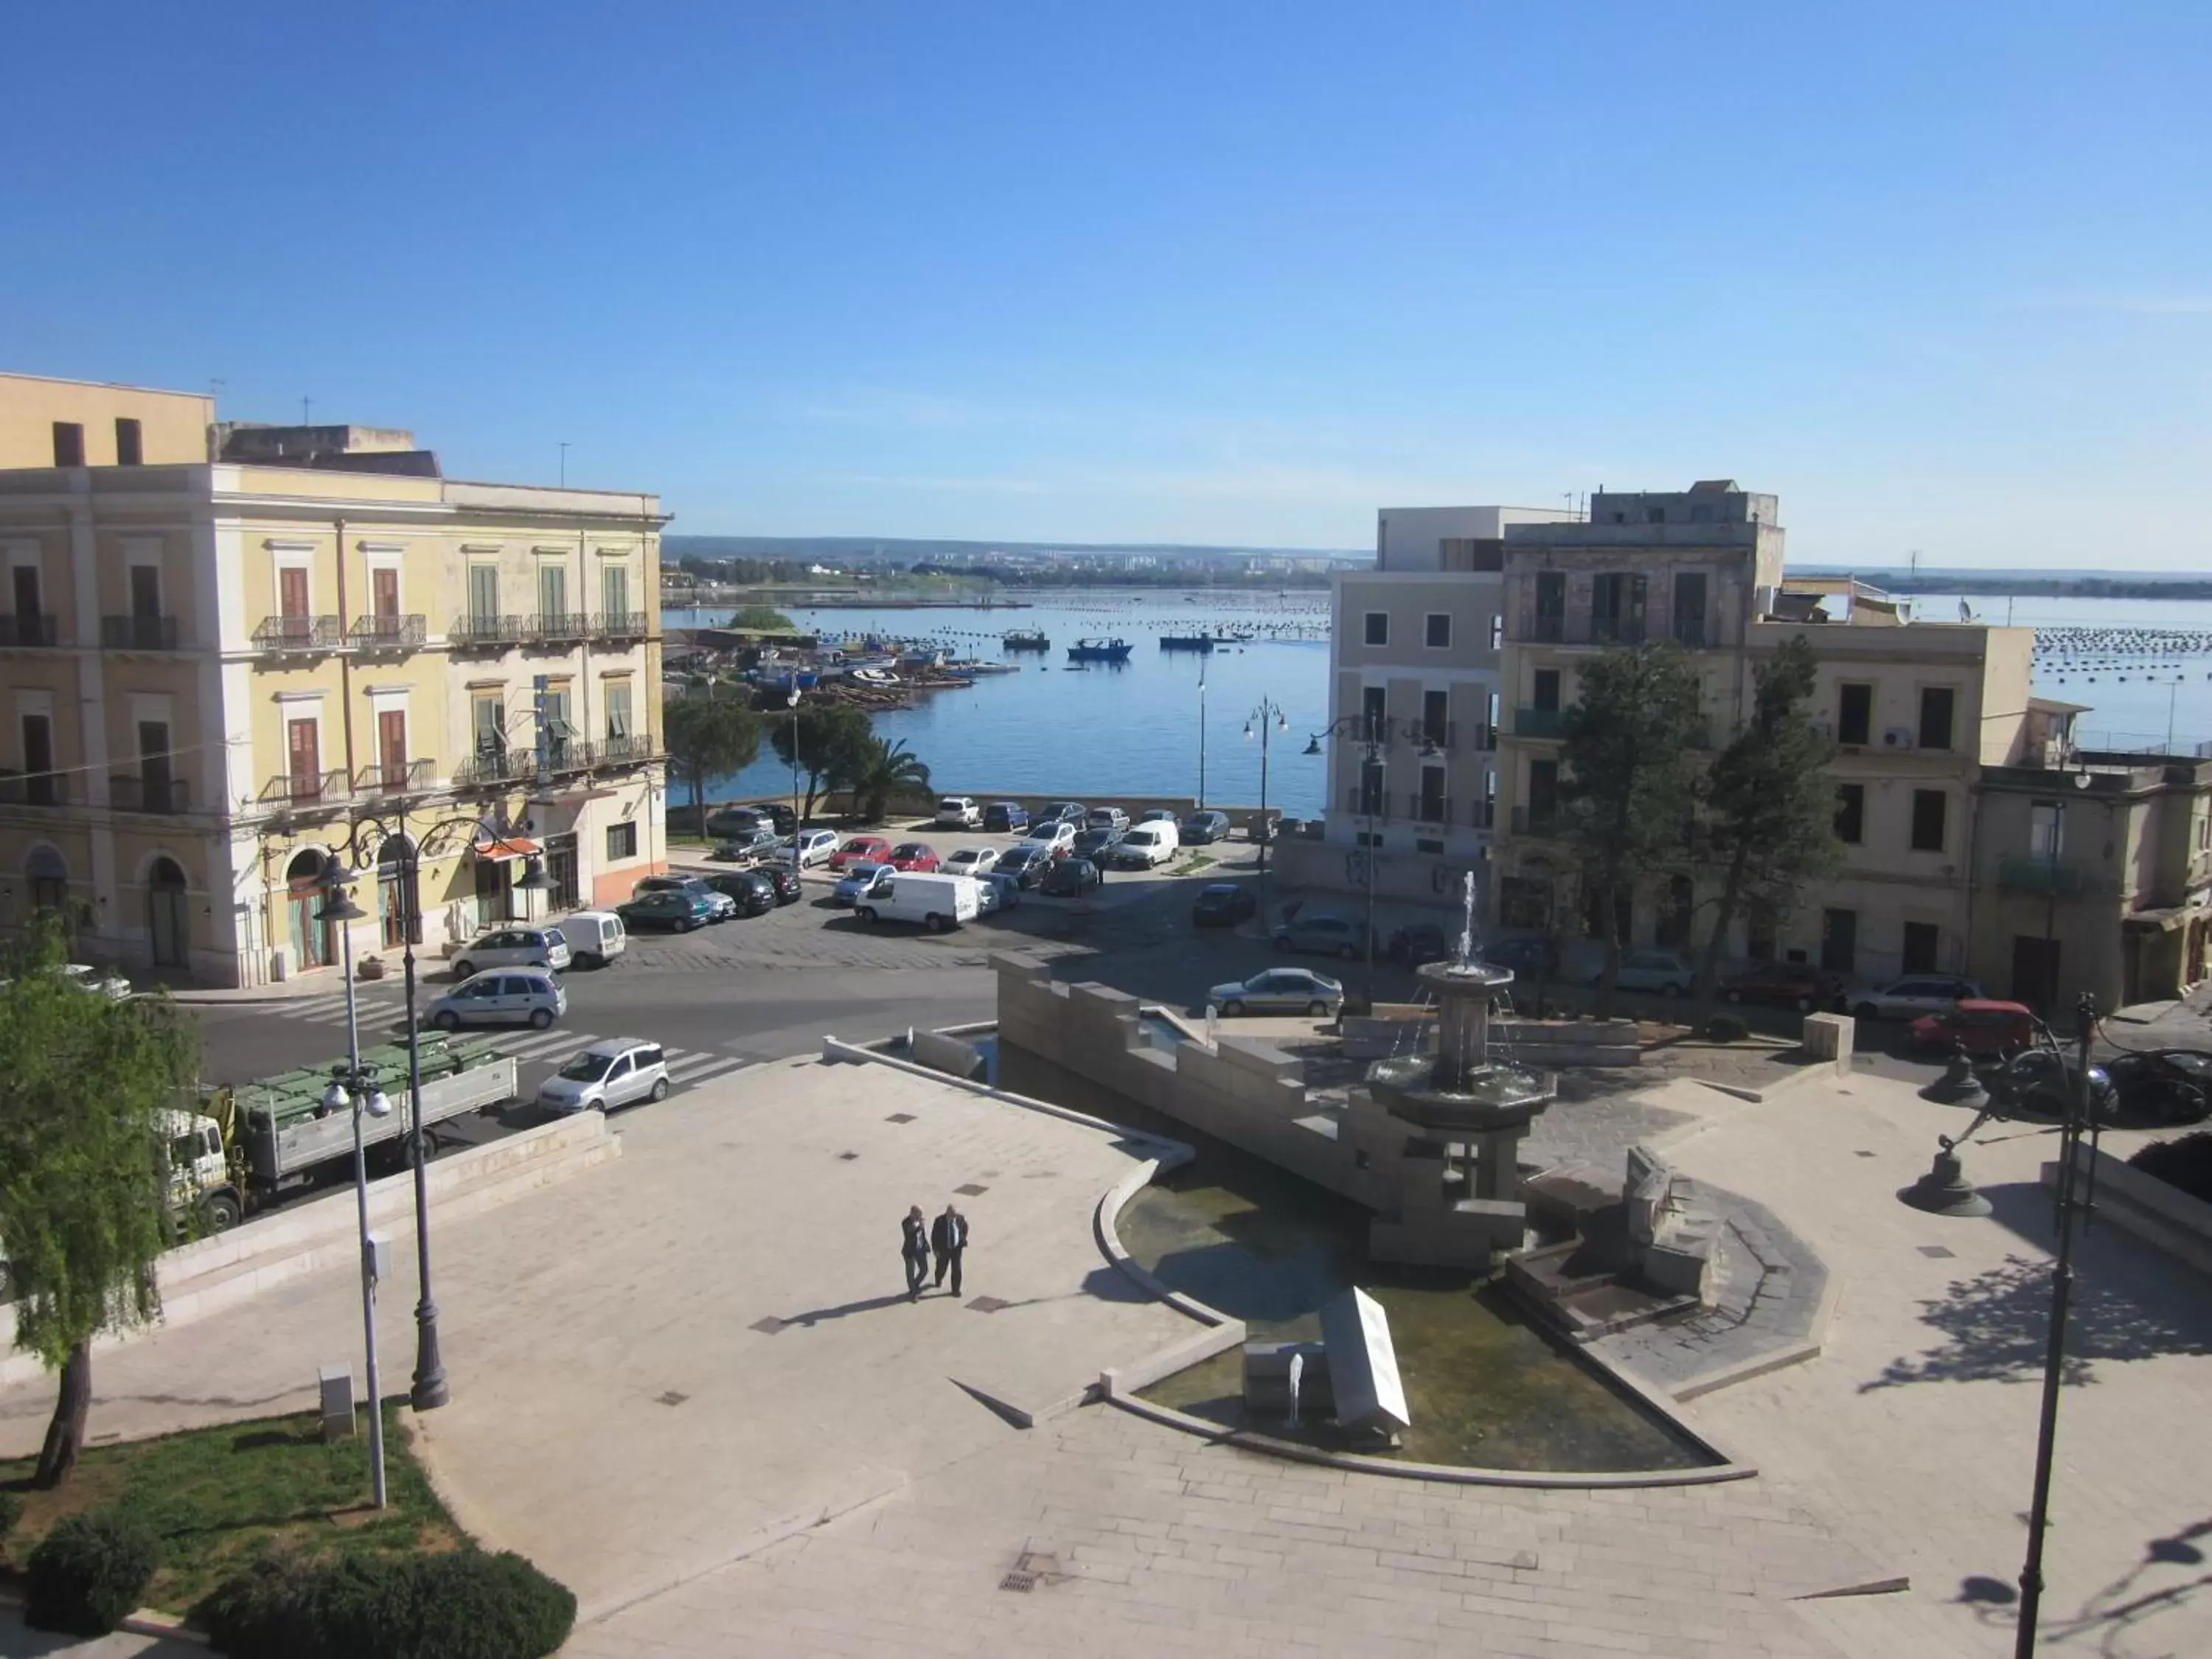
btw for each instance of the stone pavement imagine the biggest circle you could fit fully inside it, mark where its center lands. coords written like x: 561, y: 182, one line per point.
x: 17, y: 1642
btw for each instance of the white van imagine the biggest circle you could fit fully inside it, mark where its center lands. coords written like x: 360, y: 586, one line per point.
x: 595, y: 938
x: 959, y: 812
x: 938, y: 903
x: 1146, y: 845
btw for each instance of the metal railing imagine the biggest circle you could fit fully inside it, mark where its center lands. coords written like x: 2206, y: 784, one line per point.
x: 475, y: 632
x: 1690, y: 631
x: 1429, y: 809
x: 2028, y: 874
x: 560, y: 625
x: 388, y: 633
x: 138, y: 633
x: 129, y: 794
x: 277, y: 635
x: 496, y: 766
x: 621, y: 625
x: 308, y: 788
x: 628, y: 750
x: 37, y: 629
x: 392, y: 778
x: 1616, y: 630
x: 1549, y: 628
x: 34, y: 788
x: 1538, y: 723
x: 1530, y: 821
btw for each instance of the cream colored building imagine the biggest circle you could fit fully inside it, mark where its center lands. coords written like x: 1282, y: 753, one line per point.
x: 46, y: 423
x: 219, y: 675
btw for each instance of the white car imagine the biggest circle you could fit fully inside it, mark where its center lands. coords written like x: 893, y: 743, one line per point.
x: 504, y: 996
x: 972, y: 861
x: 513, y: 947
x: 1912, y: 996
x: 1055, y: 838
x: 1280, y: 990
x: 617, y: 1071
x: 811, y: 846
x: 958, y: 812
x: 83, y: 978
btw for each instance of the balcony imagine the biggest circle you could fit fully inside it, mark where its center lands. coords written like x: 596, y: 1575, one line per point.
x: 1616, y: 630
x: 485, y: 632
x: 2060, y: 878
x: 308, y: 788
x: 34, y: 788
x: 387, y: 632
x: 39, y: 632
x: 1538, y: 723
x: 138, y: 633
x: 630, y: 749
x: 1484, y: 740
x: 1367, y: 802
x: 147, y: 794
x: 1485, y: 816
x: 1535, y: 820
x: 1550, y: 628
x: 621, y: 625
x: 392, y: 778
x: 1429, y: 809
x: 1690, y: 631
x: 305, y: 636
x: 494, y: 766
x: 552, y: 626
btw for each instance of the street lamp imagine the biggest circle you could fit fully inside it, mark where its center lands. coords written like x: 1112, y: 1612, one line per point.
x: 356, y: 1093
x: 1374, y: 734
x: 792, y: 702
x: 1270, y: 718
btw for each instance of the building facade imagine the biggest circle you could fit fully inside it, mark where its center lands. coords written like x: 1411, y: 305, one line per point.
x: 220, y: 676
x: 48, y: 422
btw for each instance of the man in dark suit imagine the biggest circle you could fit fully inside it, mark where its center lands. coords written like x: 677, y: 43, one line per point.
x: 948, y: 1236
x: 914, y: 1247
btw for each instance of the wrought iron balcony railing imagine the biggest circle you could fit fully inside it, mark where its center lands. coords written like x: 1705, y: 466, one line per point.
x: 308, y: 788
x: 476, y: 632
x: 34, y: 788
x: 29, y: 630
x: 304, y: 636
x: 496, y: 766
x: 628, y: 750
x: 138, y: 633
x: 394, y: 778
x: 388, y: 633
x: 1538, y: 723
x: 549, y: 625
x: 127, y: 793
x: 621, y: 625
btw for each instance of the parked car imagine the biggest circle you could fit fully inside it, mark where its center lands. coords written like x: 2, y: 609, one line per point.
x: 80, y: 977
x: 735, y: 822
x: 1070, y: 878
x: 781, y: 818
x: 1055, y: 836
x: 996, y: 892
x: 1201, y: 829
x: 513, y: 947
x: 1146, y: 845
x: 958, y: 812
x: 1417, y: 943
x: 1280, y: 990
x: 503, y: 996
x: 1669, y: 973
x: 914, y: 855
x: 1006, y: 817
x: 1096, y: 842
x: 1156, y: 815
x: 1530, y: 956
x: 1222, y: 904
x: 1913, y: 995
x: 1058, y: 811
x: 721, y: 906
x: 1106, y: 817
x: 972, y: 861
x: 676, y: 911
x: 2046, y: 1082
x: 859, y: 881
x: 1025, y: 865
x: 1978, y: 1025
x: 616, y: 1071
x: 750, y: 890
x: 1797, y: 985
x: 860, y: 849
x: 938, y: 903
x: 811, y: 846
x: 595, y: 938
x: 786, y: 881
x: 2173, y: 1086
x: 759, y: 844
x: 1319, y: 935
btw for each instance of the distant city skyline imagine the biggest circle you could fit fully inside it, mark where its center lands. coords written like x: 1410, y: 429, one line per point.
x: 1237, y: 275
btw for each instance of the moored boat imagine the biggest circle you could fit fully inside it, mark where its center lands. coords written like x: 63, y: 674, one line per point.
x: 1099, y: 651
x: 1026, y: 639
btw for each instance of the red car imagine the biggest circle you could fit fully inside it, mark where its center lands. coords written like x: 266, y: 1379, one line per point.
x: 1979, y: 1026
x: 1783, y: 984
x: 861, y: 849
x: 914, y: 855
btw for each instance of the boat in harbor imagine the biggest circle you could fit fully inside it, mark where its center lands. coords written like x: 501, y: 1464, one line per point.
x: 1099, y: 651
x: 1026, y: 639
x: 1201, y: 642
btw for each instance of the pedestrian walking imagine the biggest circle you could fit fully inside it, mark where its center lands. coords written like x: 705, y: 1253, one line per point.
x: 948, y: 1236
x: 914, y: 1248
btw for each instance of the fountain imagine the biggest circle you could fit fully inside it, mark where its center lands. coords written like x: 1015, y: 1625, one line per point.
x: 1456, y: 1181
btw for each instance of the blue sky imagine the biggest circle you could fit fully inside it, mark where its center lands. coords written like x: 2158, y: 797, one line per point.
x: 1939, y: 276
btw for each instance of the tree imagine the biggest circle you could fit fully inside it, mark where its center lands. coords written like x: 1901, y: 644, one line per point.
x: 1770, y: 807
x: 1627, y: 786
x: 709, y: 736
x: 881, y: 771
x: 763, y: 619
x: 84, y: 1081
x: 824, y: 740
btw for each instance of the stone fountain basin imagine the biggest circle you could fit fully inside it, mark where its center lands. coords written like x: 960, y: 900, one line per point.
x: 1494, y: 1098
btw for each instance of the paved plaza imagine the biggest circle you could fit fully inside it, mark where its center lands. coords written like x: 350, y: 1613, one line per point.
x: 689, y: 1385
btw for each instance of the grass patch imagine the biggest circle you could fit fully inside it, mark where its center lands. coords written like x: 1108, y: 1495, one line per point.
x: 1198, y: 861
x: 214, y: 1497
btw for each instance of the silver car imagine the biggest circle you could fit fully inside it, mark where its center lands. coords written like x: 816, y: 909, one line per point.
x: 1279, y: 991
x: 617, y: 1072
x: 1912, y: 996
x: 504, y: 996
x: 513, y: 947
x: 722, y: 906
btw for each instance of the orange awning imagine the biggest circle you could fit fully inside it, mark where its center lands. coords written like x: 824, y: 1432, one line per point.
x: 514, y: 846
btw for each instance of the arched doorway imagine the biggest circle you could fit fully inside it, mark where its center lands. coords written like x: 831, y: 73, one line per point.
x: 48, y: 878
x: 313, y: 945
x: 397, y: 902
x: 168, y: 916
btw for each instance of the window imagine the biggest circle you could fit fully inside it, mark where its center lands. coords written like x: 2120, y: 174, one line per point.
x: 303, y: 754
x: 1922, y: 940
x: 614, y: 592
x: 1936, y: 703
x: 1487, y: 816
x: 129, y: 442
x: 553, y: 718
x: 41, y: 786
x: 484, y: 592
x: 1546, y: 694
x: 1436, y: 630
x: 552, y: 590
x: 2046, y: 832
x: 1550, y: 605
x: 28, y: 604
x: 488, y: 720
x: 1543, y: 791
x: 1655, y: 515
x: 69, y: 444
x: 384, y: 592
x: 615, y: 694
x: 1928, y: 811
x: 1435, y: 724
x: 622, y: 841
x: 1690, y: 606
x: 1431, y: 807
x: 1617, y: 608
x: 1371, y: 715
x: 1378, y: 627
x: 145, y: 590
x: 1371, y: 789
x: 1701, y: 513
x: 1850, y: 813
x: 154, y: 760
x: 1854, y: 714
x: 1421, y: 845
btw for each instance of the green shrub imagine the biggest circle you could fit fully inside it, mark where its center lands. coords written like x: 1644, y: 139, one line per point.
x: 2185, y: 1164
x: 88, y: 1574
x: 464, y: 1606
x: 11, y: 1511
x: 1726, y: 1028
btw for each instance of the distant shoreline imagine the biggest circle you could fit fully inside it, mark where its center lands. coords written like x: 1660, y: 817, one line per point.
x: 2013, y: 585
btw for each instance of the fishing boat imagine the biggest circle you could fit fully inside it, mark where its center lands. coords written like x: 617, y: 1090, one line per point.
x: 879, y: 678
x: 1185, y: 641
x: 1026, y: 639
x: 1099, y: 651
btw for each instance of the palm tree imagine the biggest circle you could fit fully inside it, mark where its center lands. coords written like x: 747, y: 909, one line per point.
x: 882, y: 770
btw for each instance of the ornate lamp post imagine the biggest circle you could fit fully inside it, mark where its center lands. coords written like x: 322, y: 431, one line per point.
x: 1269, y: 718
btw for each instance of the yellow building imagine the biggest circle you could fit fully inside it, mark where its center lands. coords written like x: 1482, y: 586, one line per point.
x: 46, y: 423
x: 220, y: 674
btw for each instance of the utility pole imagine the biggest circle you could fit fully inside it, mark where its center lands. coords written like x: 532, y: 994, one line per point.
x: 1201, y: 730
x: 564, y: 466
x: 306, y: 411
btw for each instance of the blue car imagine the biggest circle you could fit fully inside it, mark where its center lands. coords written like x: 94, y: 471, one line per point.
x: 858, y: 880
x: 1005, y: 817
x: 674, y: 909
